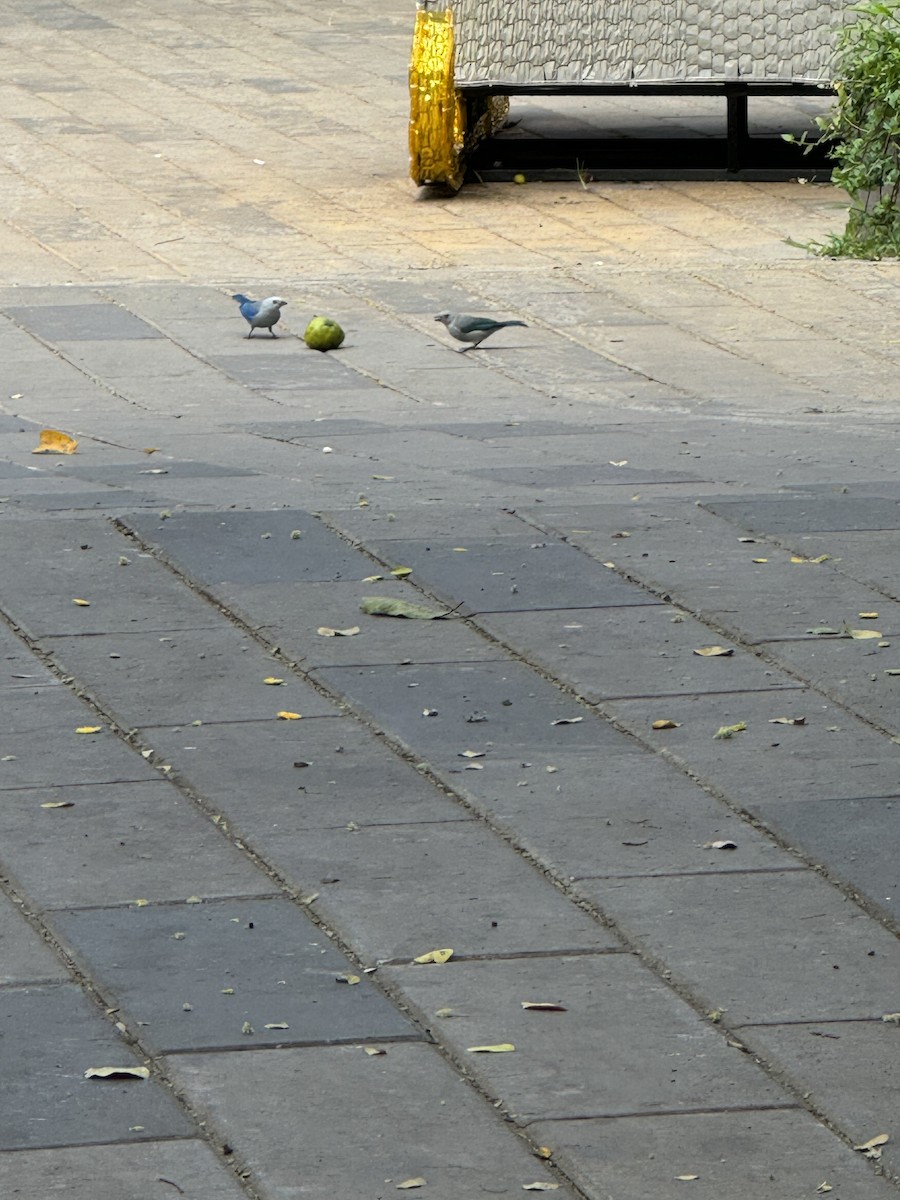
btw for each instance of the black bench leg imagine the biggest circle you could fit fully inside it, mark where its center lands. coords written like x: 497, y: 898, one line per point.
x: 738, y: 130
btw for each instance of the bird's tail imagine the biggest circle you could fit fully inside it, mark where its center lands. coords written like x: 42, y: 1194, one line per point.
x: 505, y: 323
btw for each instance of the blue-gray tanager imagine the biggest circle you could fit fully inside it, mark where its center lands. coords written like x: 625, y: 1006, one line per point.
x: 261, y: 314
x: 471, y: 329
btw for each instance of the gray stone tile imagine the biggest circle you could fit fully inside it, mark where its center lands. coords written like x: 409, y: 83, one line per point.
x: 51, y: 1035
x: 291, y: 365
x: 501, y: 705
x: 423, y: 521
x: 24, y: 956
x: 81, y: 322
x: 764, y: 1154
x: 401, y: 890
x: 10, y: 424
x: 119, y: 843
x: 28, y: 760
x: 626, y: 1044
x: 44, y: 708
x: 248, y: 770
x: 605, y: 814
x: 19, y: 668
x: 631, y: 651
x: 142, y: 473
x: 849, y: 1069
x: 372, y: 1123
x: 808, y: 514
x: 11, y: 470
x: 511, y: 574
x: 300, y: 429
x: 782, y: 947
x: 281, y: 967
x: 833, y: 755
x: 185, y: 675
x: 854, y: 840
x: 292, y: 613
x: 567, y: 475
x: 253, y: 547
x: 112, y: 501
x: 114, y: 1172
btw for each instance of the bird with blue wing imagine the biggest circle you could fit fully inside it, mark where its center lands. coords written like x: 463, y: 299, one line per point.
x: 261, y: 314
x: 471, y: 329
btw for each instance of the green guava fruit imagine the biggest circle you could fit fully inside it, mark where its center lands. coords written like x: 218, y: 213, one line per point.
x: 323, y: 334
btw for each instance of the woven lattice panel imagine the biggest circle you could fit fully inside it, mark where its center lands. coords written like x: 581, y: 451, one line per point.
x: 645, y: 41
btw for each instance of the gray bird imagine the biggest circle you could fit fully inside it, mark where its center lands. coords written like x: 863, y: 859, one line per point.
x: 471, y: 329
x: 261, y: 314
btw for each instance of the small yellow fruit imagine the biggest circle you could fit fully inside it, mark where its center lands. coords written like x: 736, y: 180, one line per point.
x: 519, y: 179
x: 323, y: 334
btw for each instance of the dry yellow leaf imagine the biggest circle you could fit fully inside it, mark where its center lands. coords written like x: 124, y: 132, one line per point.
x: 54, y: 441
x: 543, y: 1152
x: 460, y: 550
x: 273, y: 680
x: 727, y: 731
x: 862, y: 635
x: 277, y: 1025
x: 288, y: 716
x: 756, y: 560
x: 374, y: 1051
x: 715, y: 651
x: 623, y: 462
x: 870, y: 616
x: 665, y: 723
x: 327, y: 631
x: 117, y: 1073
x: 419, y: 1181
x: 373, y: 578
x: 471, y: 754
x: 247, y: 1028
x: 351, y: 979
x: 499, y: 1048
x: 82, y: 603
x: 787, y: 720
x: 434, y: 956
x: 140, y: 903
x: 891, y: 1018
x: 401, y: 572
x: 720, y: 845
x: 88, y: 728
x: 824, y: 1186
x: 686, y: 1178
x: 609, y: 564
x: 543, y: 1005
x: 59, y: 804
x: 880, y: 1139
x: 801, y: 558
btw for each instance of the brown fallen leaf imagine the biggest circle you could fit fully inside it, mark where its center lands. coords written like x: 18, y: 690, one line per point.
x: 665, y: 723
x: 384, y: 606
x: 351, y: 979
x: 543, y: 1005
x: 58, y: 804
x: 117, y: 1073
x: 715, y: 651
x: 787, y: 720
x: 288, y: 716
x: 54, y: 441
x: 434, y: 956
x: 880, y: 1139
x: 499, y: 1048
x: 727, y: 731
x: 327, y: 631
x: 418, y: 1182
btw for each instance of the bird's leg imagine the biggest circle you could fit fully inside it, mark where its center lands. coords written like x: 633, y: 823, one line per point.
x: 250, y: 334
x: 272, y: 333
x: 465, y: 349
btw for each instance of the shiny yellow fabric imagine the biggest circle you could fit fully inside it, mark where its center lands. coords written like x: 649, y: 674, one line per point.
x: 437, y: 120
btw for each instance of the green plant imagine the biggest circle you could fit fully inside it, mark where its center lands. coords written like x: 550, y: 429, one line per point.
x: 863, y: 132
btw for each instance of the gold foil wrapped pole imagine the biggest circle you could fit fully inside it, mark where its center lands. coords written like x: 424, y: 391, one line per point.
x: 436, y: 117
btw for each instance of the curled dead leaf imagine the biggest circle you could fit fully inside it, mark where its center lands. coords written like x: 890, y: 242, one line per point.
x: 868, y: 616
x: 824, y: 1186
x: 787, y: 720
x: 418, y: 1182
x: 880, y: 1139
x: 273, y: 680
x: 723, y: 845
x: 54, y: 441
x: 543, y: 1005
x: 117, y: 1073
x: 58, y: 804
x: 687, y: 1178
x: 471, y: 754
x: 715, y: 651
x: 288, y: 716
x: 863, y: 635
x: 760, y: 560
x: 384, y: 606
x: 540, y: 1185
x: 89, y: 729
x: 351, y: 979
x: 665, y: 723
x: 401, y: 572
x: 277, y: 1025
x: 82, y: 603
x: 247, y: 1028
x: 374, y: 1051
x: 568, y: 721
x: 622, y: 462
x: 543, y: 1152
x: 891, y: 1018
x: 499, y: 1048
x: 434, y: 956
x: 327, y: 631
x: 823, y: 631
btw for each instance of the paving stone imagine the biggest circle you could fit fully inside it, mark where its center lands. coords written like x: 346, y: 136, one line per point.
x: 400, y: 890
x: 33, y: 760
x: 111, y: 502
x: 849, y: 1069
x: 19, y: 668
x: 52, y: 1034
x: 605, y: 814
x: 372, y: 1124
x: 625, y: 1045
x: 49, y: 708
x: 504, y: 706
x: 24, y: 956
x: 829, y: 958
x: 765, y: 1154
x: 854, y: 840
x: 118, y: 843
x: 292, y: 613
x: 81, y: 322
x: 291, y: 366
x: 568, y: 475
x: 10, y: 424
x: 511, y: 574
x: 422, y: 521
x: 805, y: 514
x: 233, y: 547
x: 248, y: 770
x: 11, y: 470
x: 142, y: 475
x: 300, y: 429
x: 113, y: 1172
x: 281, y: 967
x: 832, y: 756
x: 630, y: 651
x: 868, y: 556
x: 185, y: 675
